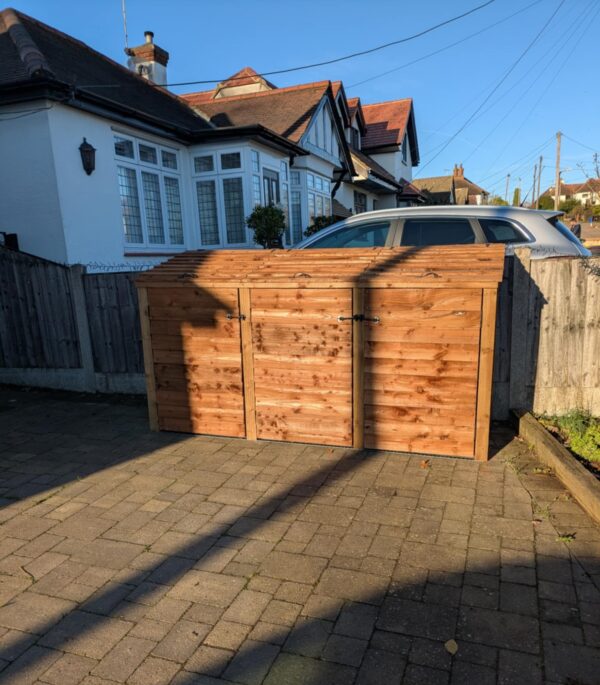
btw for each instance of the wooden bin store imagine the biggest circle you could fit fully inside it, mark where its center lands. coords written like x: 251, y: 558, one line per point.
x: 388, y: 348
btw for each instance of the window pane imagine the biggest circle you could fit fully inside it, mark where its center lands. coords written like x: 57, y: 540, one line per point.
x: 326, y: 206
x: 233, y: 199
x: 286, y: 209
x: 296, y: 216
x: 255, y: 161
x: 206, y: 192
x: 169, y: 159
x: 318, y: 183
x: 123, y: 147
x: 204, y: 164
x: 174, y: 217
x: 420, y: 232
x: 256, y: 198
x: 319, y: 209
x: 148, y: 154
x: 130, y: 205
x: 499, y: 231
x: 311, y: 180
x: 326, y: 186
x: 231, y: 160
x: 360, y: 202
x: 295, y: 178
x: 311, y: 206
x: 284, y: 170
x: 153, y: 208
x: 369, y: 235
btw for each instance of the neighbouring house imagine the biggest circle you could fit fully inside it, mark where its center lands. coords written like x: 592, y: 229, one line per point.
x: 452, y: 190
x: 102, y: 165
x: 586, y: 193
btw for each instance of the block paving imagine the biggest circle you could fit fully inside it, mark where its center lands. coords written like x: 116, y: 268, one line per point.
x: 146, y: 558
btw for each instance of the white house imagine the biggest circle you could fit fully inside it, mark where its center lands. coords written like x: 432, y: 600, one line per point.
x: 587, y: 193
x: 101, y: 166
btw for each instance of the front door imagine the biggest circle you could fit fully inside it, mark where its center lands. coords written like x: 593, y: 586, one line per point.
x: 303, y: 364
x: 421, y: 366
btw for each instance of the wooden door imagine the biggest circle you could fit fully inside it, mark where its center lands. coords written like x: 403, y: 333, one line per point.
x: 302, y: 359
x: 197, y: 360
x: 421, y: 367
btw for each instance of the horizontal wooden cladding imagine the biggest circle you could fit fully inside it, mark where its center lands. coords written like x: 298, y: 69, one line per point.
x: 420, y: 370
x: 302, y: 358
x: 391, y: 267
x: 197, y: 361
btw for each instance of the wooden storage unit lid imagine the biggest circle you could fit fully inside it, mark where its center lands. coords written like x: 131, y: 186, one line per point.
x: 468, y: 266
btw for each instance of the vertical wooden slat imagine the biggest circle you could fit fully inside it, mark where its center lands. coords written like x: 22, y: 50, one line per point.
x: 83, y: 328
x: 358, y: 361
x: 247, y: 363
x: 486, y: 370
x: 148, y: 359
x: 519, y: 391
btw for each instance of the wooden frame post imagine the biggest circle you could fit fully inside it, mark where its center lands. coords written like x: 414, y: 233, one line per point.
x: 519, y: 390
x: 148, y: 359
x: 247, y: 363
x: 486, y: 371
x: 358, y: 369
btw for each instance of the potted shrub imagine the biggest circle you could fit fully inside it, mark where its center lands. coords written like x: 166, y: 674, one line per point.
x: 268, y: 224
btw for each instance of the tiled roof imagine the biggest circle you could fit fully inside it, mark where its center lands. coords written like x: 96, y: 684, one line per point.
x: 435, y: 184
x: 244, y: 77
x: 287, y: 111
x: 472, y: 188
x: 353, y: 105
x: 591, y: 185
x: 386, y: 122
x: 32, y: 51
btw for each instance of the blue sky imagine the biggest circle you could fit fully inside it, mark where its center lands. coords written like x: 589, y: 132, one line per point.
x: 553, y: 88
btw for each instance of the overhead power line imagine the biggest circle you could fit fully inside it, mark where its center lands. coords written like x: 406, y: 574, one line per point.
x: 592, y: 149
x: 334, y: 60
x: 497, y: 86
x: 447, y: 47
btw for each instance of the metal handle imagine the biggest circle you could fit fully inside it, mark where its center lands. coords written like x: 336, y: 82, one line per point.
x: 374, y: 319
x: 346, y: 318
x: 241, y: 317
x: 358, y: 317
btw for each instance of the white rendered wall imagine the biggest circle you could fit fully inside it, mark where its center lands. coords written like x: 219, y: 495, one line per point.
x: 28, y: 191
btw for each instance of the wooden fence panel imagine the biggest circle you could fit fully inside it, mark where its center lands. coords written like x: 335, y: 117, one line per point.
x: 37, y: 322
x: 112, y: 309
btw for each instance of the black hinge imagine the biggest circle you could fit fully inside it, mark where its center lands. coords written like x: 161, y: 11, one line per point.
x: 241, y: 317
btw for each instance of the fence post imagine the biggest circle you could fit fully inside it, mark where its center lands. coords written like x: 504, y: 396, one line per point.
x: 83, y: 329
x: 518, y: 389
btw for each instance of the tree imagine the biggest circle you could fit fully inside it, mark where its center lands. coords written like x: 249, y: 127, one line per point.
x: 546, y: 202
x: 319, y: 223
x: 516, y: 198
x: 570, y: 206
x: 497, y: 200
x: 268, y: 224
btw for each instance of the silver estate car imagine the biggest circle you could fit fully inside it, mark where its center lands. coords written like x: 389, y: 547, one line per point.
x: 453, y: 225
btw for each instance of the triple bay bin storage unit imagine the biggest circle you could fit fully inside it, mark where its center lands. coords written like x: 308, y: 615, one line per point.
x: 388, y: 348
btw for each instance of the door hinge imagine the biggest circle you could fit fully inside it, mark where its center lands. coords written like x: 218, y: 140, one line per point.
x: 241, y: 317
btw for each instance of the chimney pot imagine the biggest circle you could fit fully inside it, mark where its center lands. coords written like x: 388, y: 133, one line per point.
x: 149, y: 36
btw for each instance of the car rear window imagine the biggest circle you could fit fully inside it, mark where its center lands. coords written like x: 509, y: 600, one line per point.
x: 421, y: 232
x: 501, y: 231
x: 564, y: 230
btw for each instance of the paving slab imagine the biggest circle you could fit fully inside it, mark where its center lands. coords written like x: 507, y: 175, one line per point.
x: 166, y: 558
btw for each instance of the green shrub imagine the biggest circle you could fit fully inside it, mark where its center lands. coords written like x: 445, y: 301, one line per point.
x: 580, y: 431
x: 268, y: 224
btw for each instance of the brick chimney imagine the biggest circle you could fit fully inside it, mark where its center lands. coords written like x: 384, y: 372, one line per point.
x: 458, y: 171
x: 148, y: 60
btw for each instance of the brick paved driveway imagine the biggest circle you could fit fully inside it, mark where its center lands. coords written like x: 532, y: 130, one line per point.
x: 132, y: 557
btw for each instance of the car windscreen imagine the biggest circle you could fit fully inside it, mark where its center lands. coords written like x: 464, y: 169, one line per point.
x: 564, y: 230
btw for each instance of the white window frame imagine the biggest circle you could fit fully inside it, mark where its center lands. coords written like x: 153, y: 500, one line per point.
x: 138, y: 165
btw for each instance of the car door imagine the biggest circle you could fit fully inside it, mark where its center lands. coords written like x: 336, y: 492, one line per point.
x: 438, y: 230
x: 370, y: 233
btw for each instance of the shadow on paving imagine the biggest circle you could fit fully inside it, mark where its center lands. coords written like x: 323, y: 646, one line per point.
x: 370, y: 618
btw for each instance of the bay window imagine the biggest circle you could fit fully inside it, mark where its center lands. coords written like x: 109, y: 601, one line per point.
x: 149, y: 189
x: 319, y: 196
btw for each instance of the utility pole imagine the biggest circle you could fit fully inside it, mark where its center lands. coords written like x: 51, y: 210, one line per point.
x: 533, y: 187
x: 537, y: 197
x: 507, y: 185
x: 557, y: 177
